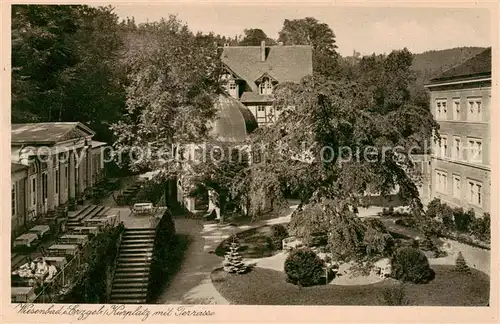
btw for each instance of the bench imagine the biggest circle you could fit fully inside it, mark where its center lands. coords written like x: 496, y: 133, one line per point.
x: 291, y: 243
x: 143, y: 208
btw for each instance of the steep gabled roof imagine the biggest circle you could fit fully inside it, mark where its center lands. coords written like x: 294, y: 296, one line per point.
x: 285, y: 63
x: 476, y: 67
x: 47, y: 133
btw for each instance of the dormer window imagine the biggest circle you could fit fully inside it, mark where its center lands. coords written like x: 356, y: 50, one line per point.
x: 265, y: 86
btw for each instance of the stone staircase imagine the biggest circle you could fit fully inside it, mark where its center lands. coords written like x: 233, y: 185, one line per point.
x: 130, y: 282
x: 78, y: 218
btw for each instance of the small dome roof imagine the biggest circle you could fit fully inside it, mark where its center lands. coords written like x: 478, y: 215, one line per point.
x: 233, y: 121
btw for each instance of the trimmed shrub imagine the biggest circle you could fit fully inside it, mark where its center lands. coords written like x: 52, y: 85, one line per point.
x: 411, y: 265
x: 427, y: 244
x: 233, y: 262
x: 394, y: 296
x: 162, y: 256
x: 460, y: 264
x: 304, y: 268
x: 278, y: 234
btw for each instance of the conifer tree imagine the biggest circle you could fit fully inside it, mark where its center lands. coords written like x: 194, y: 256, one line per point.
x: 460, y: 264
x: 233, y: 262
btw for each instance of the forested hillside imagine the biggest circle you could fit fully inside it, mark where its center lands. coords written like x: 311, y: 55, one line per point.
x: 431, y: 63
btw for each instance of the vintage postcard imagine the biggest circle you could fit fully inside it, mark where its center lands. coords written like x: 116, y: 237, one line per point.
x: 250, y: 162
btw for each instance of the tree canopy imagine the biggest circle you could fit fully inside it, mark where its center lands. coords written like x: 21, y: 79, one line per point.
x: 360, y: 132
x: 173, y: 77
x: 309, y: 31
x: 254, y: 37
x: 65, y: 65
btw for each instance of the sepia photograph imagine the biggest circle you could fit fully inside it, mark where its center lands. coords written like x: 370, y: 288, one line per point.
x: 236, y: 154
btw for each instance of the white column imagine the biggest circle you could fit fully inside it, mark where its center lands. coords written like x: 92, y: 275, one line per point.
x: 89, y: 167
x: 71, y: 166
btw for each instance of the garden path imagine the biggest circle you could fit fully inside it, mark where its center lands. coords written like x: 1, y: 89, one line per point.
x: 192, y: 283
x: 214, y: 234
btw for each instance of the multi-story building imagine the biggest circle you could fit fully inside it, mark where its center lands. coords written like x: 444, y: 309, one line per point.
x: 252, y: 73
x: 51, y: 166
x: 461, y: 104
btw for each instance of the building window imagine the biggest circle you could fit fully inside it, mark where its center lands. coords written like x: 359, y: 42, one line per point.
x: 57, y: 180
x: 14, y: 200
x: 265, y: 86
x: 232, y: 85
x: 44, y: 186
x: 456, y: 186
x: 66, y: 171
x: 441, y: 109
x: 261, y: 108
x: 33, y: 191
x: 474, y: 195
x: 442, y: 147
x: 457, y: 148
x: 456, y: 109
x: 441, y: 181
x: 475, y: 112
x: 475, y: 150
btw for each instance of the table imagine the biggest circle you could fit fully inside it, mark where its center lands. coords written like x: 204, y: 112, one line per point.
x: 63, y: 249
x: 41, y: 230
x: 58, y: 262
x: 86, y: 229
x: 22, y: 294
x: 141, y: 208
x: 27, y: 239
x: 81, y: 240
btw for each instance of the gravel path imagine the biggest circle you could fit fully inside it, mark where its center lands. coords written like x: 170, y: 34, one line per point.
x: 192, y: 284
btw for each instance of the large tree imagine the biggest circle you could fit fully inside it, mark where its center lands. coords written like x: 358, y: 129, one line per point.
x: 66, y: 65
x: 309, y: 31
x: 254, y: 37
x: 360, y: 135
x: 173, y: 79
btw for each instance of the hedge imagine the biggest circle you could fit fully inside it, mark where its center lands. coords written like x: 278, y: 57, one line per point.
x: 162, y: 253
x: 94, y: 283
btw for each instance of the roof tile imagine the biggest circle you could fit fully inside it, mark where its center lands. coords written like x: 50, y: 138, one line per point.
x: 285, y: 63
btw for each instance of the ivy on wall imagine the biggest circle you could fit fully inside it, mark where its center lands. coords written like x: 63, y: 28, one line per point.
x: 95, y: 277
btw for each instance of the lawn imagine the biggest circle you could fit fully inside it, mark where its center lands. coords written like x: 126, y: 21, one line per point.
x: 253, y: 243
x: 268, y: 287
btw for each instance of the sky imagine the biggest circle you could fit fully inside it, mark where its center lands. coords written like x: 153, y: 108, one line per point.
x: 366, y: 30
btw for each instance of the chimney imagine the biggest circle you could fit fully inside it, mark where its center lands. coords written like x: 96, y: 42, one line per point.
x: 263, y: 51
